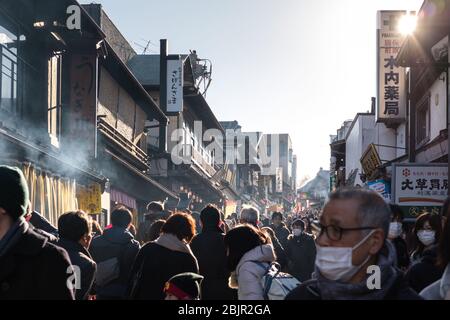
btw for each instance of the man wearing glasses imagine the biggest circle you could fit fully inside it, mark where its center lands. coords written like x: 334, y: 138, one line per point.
x: 352, y: 252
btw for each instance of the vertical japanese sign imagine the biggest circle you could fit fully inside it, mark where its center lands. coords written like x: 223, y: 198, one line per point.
x: 90, y: 198
x: 391, y: 78
x: 419, y: 187
x: 175, y: 85
x: 81, y: 125
x: 279, y: 179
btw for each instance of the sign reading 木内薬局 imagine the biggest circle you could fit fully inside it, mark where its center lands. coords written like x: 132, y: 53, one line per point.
x: 175, y: 85
x: 391, y: 77
x: 420, y: 185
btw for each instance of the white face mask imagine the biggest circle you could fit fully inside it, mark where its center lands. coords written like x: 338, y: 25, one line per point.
x: 395, y: 229
x: 296, y: 232
x: 427, y: 237
x: 335, y: 263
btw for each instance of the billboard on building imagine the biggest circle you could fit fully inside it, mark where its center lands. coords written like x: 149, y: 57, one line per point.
x: 175, y: 85
x: 391, y: 93
x: 419, y: 187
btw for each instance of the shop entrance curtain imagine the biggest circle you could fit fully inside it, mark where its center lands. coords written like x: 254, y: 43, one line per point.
x: 50, y: 195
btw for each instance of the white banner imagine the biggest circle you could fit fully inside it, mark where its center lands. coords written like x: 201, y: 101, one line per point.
x: 391, y: 78
x: 420, y: 184
x: 175, y: 85
x: 279, y: 179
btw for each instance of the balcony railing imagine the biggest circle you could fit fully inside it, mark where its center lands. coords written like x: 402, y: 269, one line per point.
x: 114, y: 135
x: 196, y: 156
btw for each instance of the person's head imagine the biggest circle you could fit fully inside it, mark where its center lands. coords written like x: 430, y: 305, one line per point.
x: 298, y: 227
x: 250, y: 215
x: 121, y: 217
x: 155, y: 230
x: 444, y: 244
x: 354, y: 225
x: 184, y: 286
x: 75, y: 226
x: 396, y: 224
x: 240, y: 240
x: 277, y: 218
x: 155, y: 207
x: 181, y: 225
x: 210, y: 216
x: 14, y: 199
x: 427, y: 231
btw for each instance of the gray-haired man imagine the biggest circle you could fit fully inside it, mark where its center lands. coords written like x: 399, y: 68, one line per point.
x: 354, y: 261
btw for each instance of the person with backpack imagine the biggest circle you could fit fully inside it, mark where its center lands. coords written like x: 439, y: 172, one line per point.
x: 163, y: 258
x: 114, y: 252
x: 250, y: 254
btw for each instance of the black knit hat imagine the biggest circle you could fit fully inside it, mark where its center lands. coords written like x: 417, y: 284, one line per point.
x: 184, y: 286
x: 13, y: 191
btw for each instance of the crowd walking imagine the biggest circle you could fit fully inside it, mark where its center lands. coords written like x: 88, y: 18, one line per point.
x: 355, y: 248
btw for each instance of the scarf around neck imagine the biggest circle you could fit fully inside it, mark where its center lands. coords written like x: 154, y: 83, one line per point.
x: 171, y: 242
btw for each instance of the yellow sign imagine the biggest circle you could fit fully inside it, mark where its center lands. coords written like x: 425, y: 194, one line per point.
x: 370, y: 161
x: 90, y: 198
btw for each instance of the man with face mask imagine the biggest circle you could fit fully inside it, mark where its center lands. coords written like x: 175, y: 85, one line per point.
x: 354, y: 226
x: 395, y: 236
x: 281, y: 232
x: 30, y: 266
x: 301, y: 252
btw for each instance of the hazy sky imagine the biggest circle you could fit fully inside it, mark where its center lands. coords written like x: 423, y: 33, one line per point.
x: 279, y: 66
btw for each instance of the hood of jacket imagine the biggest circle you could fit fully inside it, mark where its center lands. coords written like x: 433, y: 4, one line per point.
x: 262, y: 253
x: 117, y: 235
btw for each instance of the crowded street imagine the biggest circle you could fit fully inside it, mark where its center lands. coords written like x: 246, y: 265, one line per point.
x: 235, y: 151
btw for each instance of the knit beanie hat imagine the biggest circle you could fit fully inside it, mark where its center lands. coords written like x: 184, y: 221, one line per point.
x: 13, y: 191
x: 184, y: 286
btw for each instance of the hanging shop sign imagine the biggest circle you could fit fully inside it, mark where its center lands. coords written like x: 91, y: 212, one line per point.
x: 370, y: 162
x: 175, y: 84
x: 90, y: 198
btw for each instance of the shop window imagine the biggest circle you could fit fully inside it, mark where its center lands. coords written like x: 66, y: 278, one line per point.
x: 54, y: 99
x: 8, y: 66
x: 423, y: 121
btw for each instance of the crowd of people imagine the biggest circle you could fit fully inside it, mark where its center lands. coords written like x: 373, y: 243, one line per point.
x: 321, y: 255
